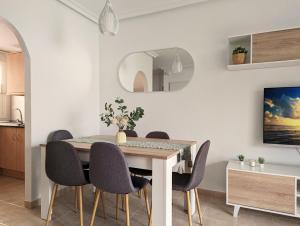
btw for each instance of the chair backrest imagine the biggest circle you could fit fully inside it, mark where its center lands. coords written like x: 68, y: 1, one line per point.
x: 109, y: 170
x: 63, y: 165
x: 158, y: 135
x: 130, y: 133
x: 199, y: 166
x: 60, y: 135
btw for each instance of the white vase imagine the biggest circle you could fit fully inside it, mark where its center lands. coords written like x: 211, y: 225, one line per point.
x: 242, y: 163
x: 121, y: 137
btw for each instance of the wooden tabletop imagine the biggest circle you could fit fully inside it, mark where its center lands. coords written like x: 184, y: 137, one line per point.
x: 136, y: 151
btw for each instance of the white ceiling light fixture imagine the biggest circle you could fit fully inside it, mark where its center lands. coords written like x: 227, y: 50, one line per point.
x: 108, y: 20
x: 177, y: 66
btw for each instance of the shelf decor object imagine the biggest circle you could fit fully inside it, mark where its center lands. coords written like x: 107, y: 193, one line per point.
x: 108, y: 20
x: 239, y: 55
x: 269, y: 49
x: 274, y: 188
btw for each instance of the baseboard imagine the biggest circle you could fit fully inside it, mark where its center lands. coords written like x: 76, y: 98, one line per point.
x: 212, y: 193
x: 12, y: 173
x: 33, y: 204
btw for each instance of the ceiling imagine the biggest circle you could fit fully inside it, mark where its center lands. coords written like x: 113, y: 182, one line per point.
x: 8, y: 40
x: 126, y: 8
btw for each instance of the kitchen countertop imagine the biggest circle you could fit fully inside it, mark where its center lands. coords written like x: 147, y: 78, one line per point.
x: 11, y: 124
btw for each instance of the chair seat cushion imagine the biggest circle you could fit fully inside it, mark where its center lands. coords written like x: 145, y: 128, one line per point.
x: 139, y: 182
x: 180, y: 181
x: 141, y: 172
x: 87, y: 175
x: 85, y: 164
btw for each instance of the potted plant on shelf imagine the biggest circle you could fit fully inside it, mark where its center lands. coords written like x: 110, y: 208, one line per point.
x: 241, y: 159
x: 239, y: 55
x: 123, y: 119
x: 261, y: 162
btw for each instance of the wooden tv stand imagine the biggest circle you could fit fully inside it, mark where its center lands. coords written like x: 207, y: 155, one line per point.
x: 274, y: 188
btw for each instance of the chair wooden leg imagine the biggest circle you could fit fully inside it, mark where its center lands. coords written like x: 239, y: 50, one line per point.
x: 140, y: 193
x: 198, y: 206
x: 96, y: 200
x: 54, y: 191
x: 123, y: 202
x: 150, y: 217
x: 103, y: 206
x: 189, y: 207
x: 127, y: 210
x: 146, y: 201
x: 117, y: 206
x: 76, y: 198
x: 80, y: 205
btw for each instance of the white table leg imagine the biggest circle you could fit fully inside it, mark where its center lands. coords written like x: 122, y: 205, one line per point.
x: 162, y: 191
x: 46, y: 186
x: 189, y: 170
x: 236, y: 211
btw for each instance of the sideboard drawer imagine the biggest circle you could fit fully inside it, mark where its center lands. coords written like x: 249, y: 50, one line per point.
x: 263, y: 191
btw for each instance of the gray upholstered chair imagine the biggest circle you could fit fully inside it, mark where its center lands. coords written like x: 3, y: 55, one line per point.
x: 64, y: 135
x: 146, y: 172
x: 158, y: 135
x: 130, y: 133
x: 63, y: 167
x: 109, y: 173
x: 187, y: 182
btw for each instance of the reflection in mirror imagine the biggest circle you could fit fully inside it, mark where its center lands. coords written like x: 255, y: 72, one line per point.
x: 162, y: 70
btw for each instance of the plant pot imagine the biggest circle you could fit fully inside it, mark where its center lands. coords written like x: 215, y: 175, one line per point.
x: 239, y: 58
x: 121, y: 137
x: 262, y: 165
x: 242, y: 163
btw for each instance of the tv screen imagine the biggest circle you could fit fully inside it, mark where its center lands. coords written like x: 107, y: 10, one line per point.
x: 282, y: 115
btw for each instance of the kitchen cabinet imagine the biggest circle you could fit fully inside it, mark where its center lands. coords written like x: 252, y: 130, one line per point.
x: 15, y: 65
x: 12, y: 147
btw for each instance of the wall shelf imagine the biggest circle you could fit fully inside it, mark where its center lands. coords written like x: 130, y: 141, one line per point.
x: 267, y: 50
x: 251, y: 66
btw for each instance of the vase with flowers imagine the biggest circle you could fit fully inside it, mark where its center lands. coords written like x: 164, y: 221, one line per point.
x: 122, y: 118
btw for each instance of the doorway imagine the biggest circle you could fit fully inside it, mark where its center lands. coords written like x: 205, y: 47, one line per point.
x: 15, y: 145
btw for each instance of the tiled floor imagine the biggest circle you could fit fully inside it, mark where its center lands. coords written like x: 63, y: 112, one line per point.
x: 216, y: 213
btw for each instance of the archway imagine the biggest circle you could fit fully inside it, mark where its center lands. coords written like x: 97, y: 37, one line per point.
x: 27, y: 97
x: 140, y: 82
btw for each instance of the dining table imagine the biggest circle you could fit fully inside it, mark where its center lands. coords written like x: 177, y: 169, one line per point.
x: 161, y: 156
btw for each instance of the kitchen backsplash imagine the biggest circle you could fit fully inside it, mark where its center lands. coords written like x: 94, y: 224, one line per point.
x: 17, y: 102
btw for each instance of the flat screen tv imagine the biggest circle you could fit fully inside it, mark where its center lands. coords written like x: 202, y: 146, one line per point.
x: 282, y: 116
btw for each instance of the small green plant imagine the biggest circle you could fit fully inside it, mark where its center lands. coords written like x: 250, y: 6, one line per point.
x: 123, y: 119
x: 239, y: 49
x: 261, y: 160
x: 241, y: 157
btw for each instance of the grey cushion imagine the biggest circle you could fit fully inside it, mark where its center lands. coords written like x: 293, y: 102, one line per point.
x: 63, y: 165
x: 141, y: 172
x: 130, y: 133
x: 109, y: 170
x: 60, y: 135
x: 180, y: 181
x: 158, y: 135
x: 139, y: 182
x: 187, y: 182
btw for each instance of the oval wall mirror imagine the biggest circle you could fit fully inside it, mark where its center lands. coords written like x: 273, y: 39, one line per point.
x: 163, y: 70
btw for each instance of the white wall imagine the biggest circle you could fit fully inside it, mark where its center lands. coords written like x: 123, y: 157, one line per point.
x: 130, y: 67
x: 218, y: 104
x: 64, y: 55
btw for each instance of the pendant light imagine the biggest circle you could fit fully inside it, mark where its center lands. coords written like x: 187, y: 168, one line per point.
x: 108, y: 20
x: 177, y: 66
